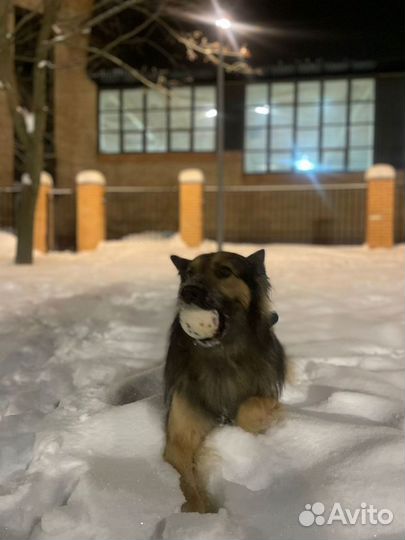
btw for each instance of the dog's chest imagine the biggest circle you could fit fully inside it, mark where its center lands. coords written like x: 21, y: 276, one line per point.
x: 222, y: 386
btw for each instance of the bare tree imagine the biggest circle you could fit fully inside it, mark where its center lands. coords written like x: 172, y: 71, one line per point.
x: 30, y: 120
x: 29, y: 125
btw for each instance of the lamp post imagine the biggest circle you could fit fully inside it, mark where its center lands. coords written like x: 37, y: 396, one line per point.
x: 222, y: 24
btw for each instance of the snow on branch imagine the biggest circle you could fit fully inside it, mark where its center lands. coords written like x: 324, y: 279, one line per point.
x: 29, y: 118
x: 26, y: 179
x: 197, y: 44
x: 45, y: 63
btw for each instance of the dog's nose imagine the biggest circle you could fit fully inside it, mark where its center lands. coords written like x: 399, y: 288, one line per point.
x: 193, y: 294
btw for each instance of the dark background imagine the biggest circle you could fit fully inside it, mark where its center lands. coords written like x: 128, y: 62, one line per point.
x: 275, y: 31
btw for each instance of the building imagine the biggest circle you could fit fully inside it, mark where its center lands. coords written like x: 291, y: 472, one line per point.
x: 307, y: 120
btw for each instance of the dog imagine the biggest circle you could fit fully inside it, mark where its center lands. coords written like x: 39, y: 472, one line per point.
x: 235, y: 377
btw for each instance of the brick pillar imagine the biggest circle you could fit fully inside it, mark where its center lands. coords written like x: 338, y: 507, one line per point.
x: 191, y: 198
x: 41, y: 219
x: 90, y: 210
x: 380, y: 206
x: 75, y: 126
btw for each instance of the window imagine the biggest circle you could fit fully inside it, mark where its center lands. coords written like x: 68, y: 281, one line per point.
x: 323, y: 125
x: 133, y: 120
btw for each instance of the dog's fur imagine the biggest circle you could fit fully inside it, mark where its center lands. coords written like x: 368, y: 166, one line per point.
x: 237, y: 379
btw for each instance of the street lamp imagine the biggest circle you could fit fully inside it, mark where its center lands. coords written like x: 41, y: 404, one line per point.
x: 222, y: 24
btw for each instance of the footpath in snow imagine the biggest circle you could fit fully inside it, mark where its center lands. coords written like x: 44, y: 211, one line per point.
x: 75, y: 465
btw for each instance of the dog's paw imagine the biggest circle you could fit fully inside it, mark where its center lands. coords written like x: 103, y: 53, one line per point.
x: 256, y: 414
x: 201, y: 505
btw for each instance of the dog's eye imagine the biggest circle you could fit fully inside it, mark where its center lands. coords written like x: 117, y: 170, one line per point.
x: 223, y: 271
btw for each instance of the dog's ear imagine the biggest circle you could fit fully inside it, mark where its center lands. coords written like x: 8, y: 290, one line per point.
x: 257, y: 259
x: 180, y: 263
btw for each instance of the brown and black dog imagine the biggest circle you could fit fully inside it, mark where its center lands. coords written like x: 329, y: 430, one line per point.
x: 235, y: 377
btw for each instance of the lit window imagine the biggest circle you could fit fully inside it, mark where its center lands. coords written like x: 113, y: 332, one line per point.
x: 135, y: 120
x: 309, y: 125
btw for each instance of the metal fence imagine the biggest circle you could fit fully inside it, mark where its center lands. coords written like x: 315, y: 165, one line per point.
x: 137, y: 209
x: 8, y: 207
x: 62, y: 216
x: 400, y: 211
x: 323, y: 214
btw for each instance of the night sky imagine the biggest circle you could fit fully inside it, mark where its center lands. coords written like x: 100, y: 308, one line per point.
x: 336, y: 30
x: 276, y: 31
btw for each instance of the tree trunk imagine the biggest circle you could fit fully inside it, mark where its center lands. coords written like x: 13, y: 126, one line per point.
x: 25, y: 225
x: 27, y: 202
x: 33, y: 141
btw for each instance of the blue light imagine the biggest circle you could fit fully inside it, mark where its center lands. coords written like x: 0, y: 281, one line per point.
x: 304, y: 164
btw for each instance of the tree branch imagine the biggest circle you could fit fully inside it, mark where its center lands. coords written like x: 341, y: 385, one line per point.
x: 109, y: 13
x: 77, y: 25
x: 126, y: 67
x: 128, y: 35
x: 24, y: 20
x: 7, y: 72
x: 51, y: 8
x: 204, y: 48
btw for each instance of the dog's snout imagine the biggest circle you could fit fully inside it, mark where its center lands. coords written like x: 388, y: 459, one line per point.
x: 193, y: 294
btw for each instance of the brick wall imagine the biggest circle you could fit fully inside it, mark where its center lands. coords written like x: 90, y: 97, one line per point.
x: 75, y: 103
x: 253, y: 216
x: 163, y: 169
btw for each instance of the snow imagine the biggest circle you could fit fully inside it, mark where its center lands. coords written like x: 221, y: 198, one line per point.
x: 90, y: 177
x: 26, y: 179
x: 45, y: 63
x: 56, y: 29
x: 46, y: 179
x: 29, y: 118
x: 81, y: 333
x: 191, y: 176
x: 380, y: 171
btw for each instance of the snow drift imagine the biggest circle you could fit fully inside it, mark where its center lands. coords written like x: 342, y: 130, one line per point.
x: 84, y: 335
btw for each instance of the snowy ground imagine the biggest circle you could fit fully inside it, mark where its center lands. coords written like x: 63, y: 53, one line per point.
x: 75, y: 466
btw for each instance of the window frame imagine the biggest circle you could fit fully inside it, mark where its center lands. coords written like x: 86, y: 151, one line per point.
x: 168, y: 129
x: 320, y: 127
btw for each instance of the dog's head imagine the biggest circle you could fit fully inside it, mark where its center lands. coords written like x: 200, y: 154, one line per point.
x: 227, y: 282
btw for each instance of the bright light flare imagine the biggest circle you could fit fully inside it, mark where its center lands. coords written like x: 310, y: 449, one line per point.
x: 262, y: 109
x: 304, y: 164
x: 223, y: 23
x: 211, y: 113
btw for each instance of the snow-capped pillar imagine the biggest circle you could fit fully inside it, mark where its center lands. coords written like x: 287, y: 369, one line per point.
x: 380, y: 205
x: 90, y: 209
x: 42, y: 214
x: 191, y: 198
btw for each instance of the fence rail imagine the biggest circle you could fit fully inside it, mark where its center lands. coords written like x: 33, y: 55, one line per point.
x: 288, y: 187
x: 141, y: 189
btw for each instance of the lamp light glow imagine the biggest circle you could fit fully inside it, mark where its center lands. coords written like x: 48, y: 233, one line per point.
x: 223, y: 23
x: 262, y: 109
x: 211, y: 113
x: 304, y: 164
